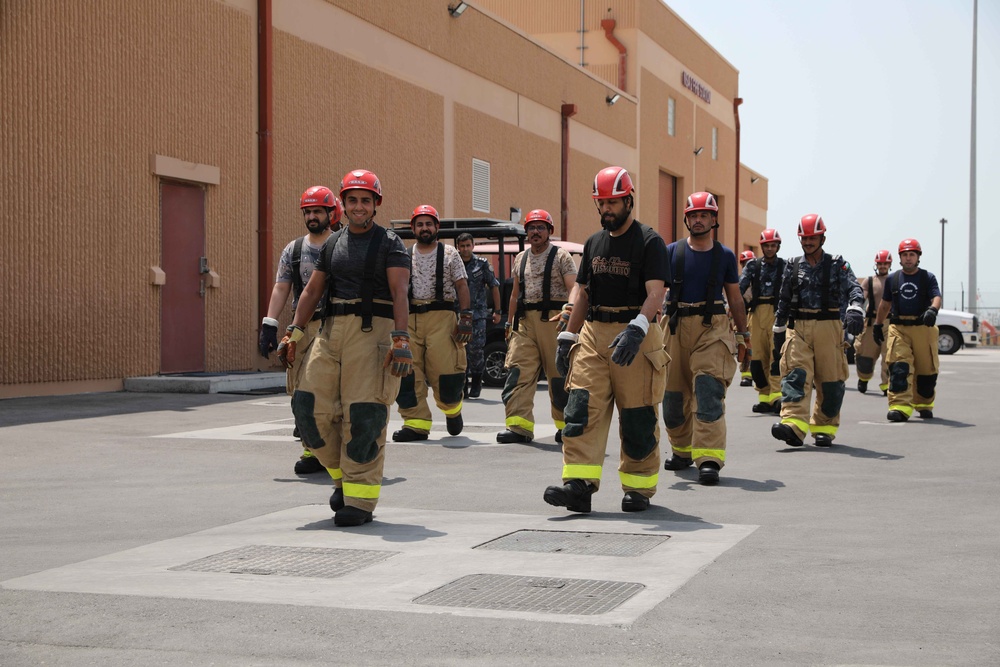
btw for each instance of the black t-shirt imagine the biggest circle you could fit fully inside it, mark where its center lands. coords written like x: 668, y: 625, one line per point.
x: 613, y: 269
x: 343, y: 258
x: 915, y: 295
x: 697, y: 270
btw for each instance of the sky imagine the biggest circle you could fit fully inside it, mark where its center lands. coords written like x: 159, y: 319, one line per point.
x: 861, y: 111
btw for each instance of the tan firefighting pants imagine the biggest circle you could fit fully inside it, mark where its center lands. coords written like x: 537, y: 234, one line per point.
x: 293, y: 374
x: 813, y: 354
x: 595, y: 384
x: 342, y: 404
x: 866, y: 352
x: 701, y: 369
x: 532, y: 349
x: 439, y: 363
x: 912, y: 355
x: 762, y: 343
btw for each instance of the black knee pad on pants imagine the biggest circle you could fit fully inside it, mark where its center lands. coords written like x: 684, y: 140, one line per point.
x: 865, y: 365
x: 793, y: 386
x: 303, y: 405
x: 452, y: 386
x: 559, y: 395
x: 711, y: 396
x: 926, y: 384
x: 508, y: 386
x: 638, y: 426
x: 833, y: 398
x: 367, y: 422
x: 407, y: 396
x: 673, y: 409
x: 758, y: 374
x: 899, y: 372
x: 576, y: 412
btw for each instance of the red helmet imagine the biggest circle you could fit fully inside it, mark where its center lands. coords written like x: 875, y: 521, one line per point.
x: 701, y: 201
x: 883, y: 256
x: 911, y: 245
x: 770, y: 236
x: 811, y: 225
x: 540, y: 214
x: 362, y: 179
x: 319, y: 195
x: 611, y: 183
x: 746, y: 256
x: 425, y: 209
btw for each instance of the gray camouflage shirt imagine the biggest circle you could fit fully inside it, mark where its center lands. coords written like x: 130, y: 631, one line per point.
x: 804, y: 289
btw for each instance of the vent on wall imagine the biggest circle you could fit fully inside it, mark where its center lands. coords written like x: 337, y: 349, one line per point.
x: 480, y: 186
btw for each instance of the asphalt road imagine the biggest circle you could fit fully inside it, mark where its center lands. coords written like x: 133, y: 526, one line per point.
x: 883, y: 550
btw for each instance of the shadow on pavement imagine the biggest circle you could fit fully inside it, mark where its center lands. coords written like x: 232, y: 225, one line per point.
x: 42, y: 409
x: 857, y: 452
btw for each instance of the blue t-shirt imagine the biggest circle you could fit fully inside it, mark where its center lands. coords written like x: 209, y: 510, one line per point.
x: 697, y: 265
x: 914, y: 296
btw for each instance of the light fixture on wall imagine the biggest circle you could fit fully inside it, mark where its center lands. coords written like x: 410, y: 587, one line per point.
x: 612, y: 99
x: 457, y: 9
x: 699, y: 150
x: 754, y: 179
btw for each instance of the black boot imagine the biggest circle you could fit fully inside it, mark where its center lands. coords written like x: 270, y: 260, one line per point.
x: 508, y: 437
x: 574, y: 495
x: 455, y: 424
x: 477, y: 386
x: 337, y: 499
x: 407, y: 435
x: 785, y: 433
x: 678, y: 463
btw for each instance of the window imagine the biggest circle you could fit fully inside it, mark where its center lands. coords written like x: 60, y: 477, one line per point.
x: 480, y: 186
x: 671, y: 117
x: 715, y: 143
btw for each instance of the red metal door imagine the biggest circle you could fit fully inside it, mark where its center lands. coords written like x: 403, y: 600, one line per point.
x: 668, y: 207
x: 182, y: 298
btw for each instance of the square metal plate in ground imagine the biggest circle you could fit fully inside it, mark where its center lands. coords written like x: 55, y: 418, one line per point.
x: 287, y: 561
x: 578, y: 543
x: 546, y: 595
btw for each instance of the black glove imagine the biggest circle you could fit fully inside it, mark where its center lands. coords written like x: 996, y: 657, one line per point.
x: 779, y: 342
x: 564, y: 342
x: 268, y: 341
x: 627, y: 345
x: 854, y: 321
x: 878, y: 335
x: 930, y: 316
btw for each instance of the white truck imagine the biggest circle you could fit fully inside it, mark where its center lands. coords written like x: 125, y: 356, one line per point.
x: 955, y: 329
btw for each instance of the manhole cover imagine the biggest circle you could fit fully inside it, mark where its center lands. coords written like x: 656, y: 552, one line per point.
x: 287, y: 561
x: 544, y: 595
x: 579, y: 543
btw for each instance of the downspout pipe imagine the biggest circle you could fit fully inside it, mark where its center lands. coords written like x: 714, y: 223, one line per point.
x: 568, y: 111
x: 265, y: 158
x: 736, y: 227
x: 609, y: 28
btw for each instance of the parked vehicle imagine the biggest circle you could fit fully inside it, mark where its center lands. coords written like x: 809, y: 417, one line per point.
x: 955, y: 330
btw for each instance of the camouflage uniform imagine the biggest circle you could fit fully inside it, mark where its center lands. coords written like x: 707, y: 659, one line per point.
x: 763, y: 281
x: 481, y: 280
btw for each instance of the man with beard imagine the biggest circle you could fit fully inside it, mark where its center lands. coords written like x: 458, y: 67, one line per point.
x: 914, y: 298
x: 866, y: 350
x: 611, y: 353
x: 815, y: 289
x: 762, y: 278
x: 480, y: 279
x: 700, y: 342
x: 543, y: 279
x: 437, y: 336
x: 321, y: 210
x: 352, y: 371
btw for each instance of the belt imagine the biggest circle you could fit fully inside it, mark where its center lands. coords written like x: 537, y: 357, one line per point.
x: 907, y: 320
x: 766, y: 299
x: 619, y: 316
x: 690, y: 311
x: 820, y: 315
x: 545, y: 305
x: 378, y: 309
x: 433, y: 305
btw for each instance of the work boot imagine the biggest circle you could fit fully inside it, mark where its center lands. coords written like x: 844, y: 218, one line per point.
x: 574, y: 495
x: 776, y: 407
x: 785, y: 433
x: 351, y: 516
x: 885, y: 392
x: 559, y: 436
x: 337, y: 499
x: 761, y: 408
x: 508, y: 437
x: 308, y: 464
x: 477, y: 386
x: 746, y: 382
x: 677, y: 463
x: 634, y: 502
x: 897, y: 416
x: 926, y: 414
x: 708, y: 473
x: 407, y: 435
x: 824, y: 440
x: 295, y: 433
x: 862, y: 386
x: 455, y: 424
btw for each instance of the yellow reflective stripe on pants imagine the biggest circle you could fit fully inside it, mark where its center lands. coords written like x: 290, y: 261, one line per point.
x: 828, y: 429
x: 801, y: 426
x: 683, y: 450
x: 418, y: 424
x: 581, y: 472
x: 638, y: 481
x: 718, y: 454
x: 368, y: 491
x: 521, y: 423
x: 560, y: 424
x: 905, y: 409
x: 451, y: 412
x: 923, y: 406
x: 335, y: 473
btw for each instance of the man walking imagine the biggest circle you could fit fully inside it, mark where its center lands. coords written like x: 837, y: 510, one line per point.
x: 481, y: 279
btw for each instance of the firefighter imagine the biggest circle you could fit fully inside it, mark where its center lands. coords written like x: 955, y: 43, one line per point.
x: 611, y: 353
x: 352, y: 371
x: 814, y: 290
x: 480, y: 278
x: 866, y: 350
x: 321, y: 210
x: 746, y: 378
x: 700, y: 342
x: 437, y: 335
x: 914, y: 298
x: 761, y: 279
x: 544, y: 276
